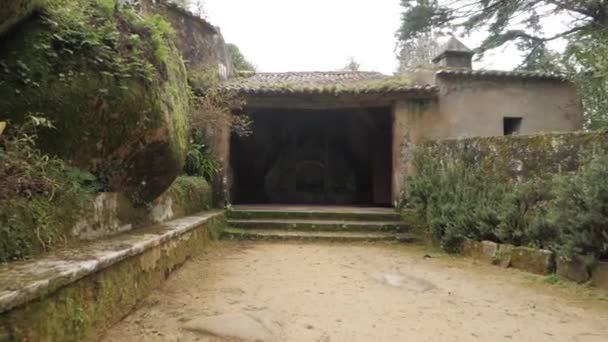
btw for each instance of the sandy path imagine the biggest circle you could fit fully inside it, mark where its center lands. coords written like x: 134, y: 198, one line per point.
x: 313, y: 292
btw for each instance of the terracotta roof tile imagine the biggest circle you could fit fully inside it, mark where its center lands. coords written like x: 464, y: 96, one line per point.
x: 501, y: 74
x: 335, y: 82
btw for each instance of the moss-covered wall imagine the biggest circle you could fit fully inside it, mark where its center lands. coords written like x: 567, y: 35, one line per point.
x: 83, y: 310
x: 522, y: 157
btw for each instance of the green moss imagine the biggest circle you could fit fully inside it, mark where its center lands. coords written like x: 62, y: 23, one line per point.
x: 415, y: 221
x: 41, y: 197
x: 12, y: 11
x: 535, y: 156
x: 112, y: 82
x: 204, y: 78
x: 30, y: 227
x: 193, y: 194
x: 85, y: 309
x: 356, y: 87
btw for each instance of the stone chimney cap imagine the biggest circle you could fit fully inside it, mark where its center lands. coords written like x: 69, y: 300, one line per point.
x: 453, y: 46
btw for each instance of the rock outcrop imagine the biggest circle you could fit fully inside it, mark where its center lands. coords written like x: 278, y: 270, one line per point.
x: 114, y: 85
x: 12, y: 11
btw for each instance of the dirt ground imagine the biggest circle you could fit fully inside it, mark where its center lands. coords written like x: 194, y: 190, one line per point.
x: 379, y: 292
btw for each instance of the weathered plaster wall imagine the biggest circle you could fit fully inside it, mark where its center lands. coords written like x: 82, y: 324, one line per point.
x: 522, y: 157
x: 413, y: 122
x: 476, y: 106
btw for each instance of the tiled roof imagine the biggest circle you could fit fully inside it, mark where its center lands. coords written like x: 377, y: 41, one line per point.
x: 337, y: 82
x: 500, y: 74
x: 453, y: 46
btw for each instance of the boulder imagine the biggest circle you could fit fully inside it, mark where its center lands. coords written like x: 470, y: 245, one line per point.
x: 573, y: 269
x: 117, y: 92
x: 503, y: 259
x: 600, y: 275
x: 481, y: 250
x: 12, y: 11
x: 533, y: 260
x: 471, y: 248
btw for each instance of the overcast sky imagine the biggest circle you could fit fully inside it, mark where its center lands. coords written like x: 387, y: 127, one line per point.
x: 321, y: 35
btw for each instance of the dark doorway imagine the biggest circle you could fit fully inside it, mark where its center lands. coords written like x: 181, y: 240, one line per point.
x: 338, y: 156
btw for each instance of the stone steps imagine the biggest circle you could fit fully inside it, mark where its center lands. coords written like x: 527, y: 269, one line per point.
x: 312, y: 213
x: 320, y: 225
x: 277, y: 235
x: 298, y: 223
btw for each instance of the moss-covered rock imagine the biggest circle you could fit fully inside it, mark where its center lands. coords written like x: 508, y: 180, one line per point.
x: 113, y: 84
x: 575, y: 269
x: 533, y: 260
x: 187, y: 195
x: 12, y: 11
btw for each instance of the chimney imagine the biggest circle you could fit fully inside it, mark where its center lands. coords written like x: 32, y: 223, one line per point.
x: 454, y: 54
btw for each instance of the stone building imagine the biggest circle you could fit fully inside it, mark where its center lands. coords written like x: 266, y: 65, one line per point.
x: 347, y: 137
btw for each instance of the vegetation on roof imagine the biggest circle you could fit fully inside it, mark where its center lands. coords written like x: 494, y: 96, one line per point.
x: 378, y: 84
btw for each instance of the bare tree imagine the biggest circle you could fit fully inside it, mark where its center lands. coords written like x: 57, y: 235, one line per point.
x: 352, y: 65
x: 417, y: 52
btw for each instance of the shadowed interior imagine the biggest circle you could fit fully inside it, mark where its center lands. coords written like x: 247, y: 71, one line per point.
x: 337, y: 156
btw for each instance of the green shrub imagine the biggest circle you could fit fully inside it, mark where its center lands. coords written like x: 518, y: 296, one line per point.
x: 567, y: 213
x: 40, y: 196
x: 200, y: 162
x: 579, y: 210
x: 459, y: 201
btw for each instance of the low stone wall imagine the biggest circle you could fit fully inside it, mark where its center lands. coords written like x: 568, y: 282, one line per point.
x: 76, y: 294
x: 538, y: 261
x: 113, y: 213
x: 522, y: 157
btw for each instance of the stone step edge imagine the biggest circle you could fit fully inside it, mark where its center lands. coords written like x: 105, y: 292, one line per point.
x: 50, y: 272
x: 320, y: 222
x: 261, y: 234
x: 278, y: 214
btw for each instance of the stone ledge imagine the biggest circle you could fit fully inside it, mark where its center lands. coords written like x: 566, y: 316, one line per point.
x: 532, y: 260
x: 599, y: 276
x: 22, y: 282
x: 539, y: 261
x: 576, y: 269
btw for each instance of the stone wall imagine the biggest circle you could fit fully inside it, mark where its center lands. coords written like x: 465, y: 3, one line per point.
x: 113, y: 213
x: 77, y: 294
x: 522, y: 157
